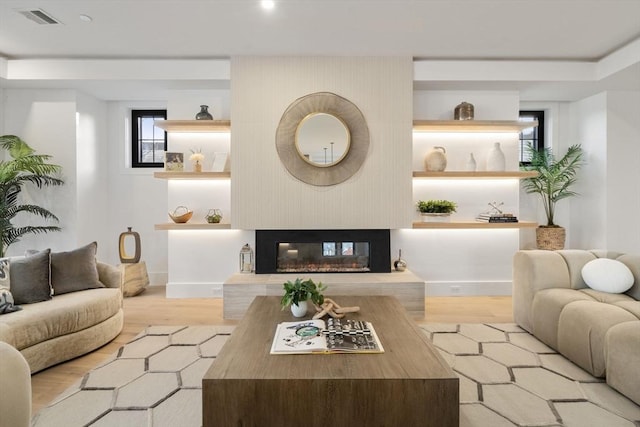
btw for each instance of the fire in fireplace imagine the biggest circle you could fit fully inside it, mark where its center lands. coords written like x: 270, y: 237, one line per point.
x: 322, y: 251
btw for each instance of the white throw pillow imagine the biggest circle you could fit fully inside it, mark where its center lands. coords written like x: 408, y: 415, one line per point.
x: 607, y: 275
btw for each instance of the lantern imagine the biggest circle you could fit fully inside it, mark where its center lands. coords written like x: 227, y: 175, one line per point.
x: 124, y: 257
x: 246, y: 259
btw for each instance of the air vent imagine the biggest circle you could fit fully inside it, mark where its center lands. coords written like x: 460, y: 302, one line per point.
x: 39, y: 16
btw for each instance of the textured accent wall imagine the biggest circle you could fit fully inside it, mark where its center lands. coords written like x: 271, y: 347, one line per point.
x: 265, y: 196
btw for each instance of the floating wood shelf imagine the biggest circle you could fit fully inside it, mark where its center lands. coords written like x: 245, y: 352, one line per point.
x: 191, y: 226
x: 474, y: 225
x: 192, y: 175
x: 476, y: 175
x: 194, y: 125
x: 472, y: 125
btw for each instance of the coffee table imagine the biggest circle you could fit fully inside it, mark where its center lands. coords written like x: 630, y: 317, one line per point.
x: 408, y: 385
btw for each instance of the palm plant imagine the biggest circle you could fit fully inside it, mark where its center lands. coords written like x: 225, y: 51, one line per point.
x: 554, y: 178
x: 23, y: 167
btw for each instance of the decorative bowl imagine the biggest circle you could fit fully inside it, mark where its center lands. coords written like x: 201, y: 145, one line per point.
x: 181, y: 214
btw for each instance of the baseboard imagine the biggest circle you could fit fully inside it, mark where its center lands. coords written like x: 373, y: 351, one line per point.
x: 194, y: 290
x: 450, y: 289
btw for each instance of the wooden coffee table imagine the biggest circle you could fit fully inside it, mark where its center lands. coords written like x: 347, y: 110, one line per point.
x: 408, y: 385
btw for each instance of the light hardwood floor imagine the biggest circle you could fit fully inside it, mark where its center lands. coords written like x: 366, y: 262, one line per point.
x: 152, y: 308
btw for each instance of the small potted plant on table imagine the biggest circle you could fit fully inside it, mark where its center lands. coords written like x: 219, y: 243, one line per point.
x: 436, y: 210
x: 298, y: 292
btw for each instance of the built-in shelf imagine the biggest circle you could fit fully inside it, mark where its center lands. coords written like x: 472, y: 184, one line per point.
x: 194, y: 125
x: 191, y: 226
x: 472, y: 125
x: 476, y: 175
x: 192, y: 175
x: 474, y: 224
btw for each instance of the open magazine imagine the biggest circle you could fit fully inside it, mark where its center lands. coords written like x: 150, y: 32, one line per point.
x: 332, y: 336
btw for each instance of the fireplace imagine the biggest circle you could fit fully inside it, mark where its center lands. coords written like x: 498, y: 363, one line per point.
x: 323, y: 251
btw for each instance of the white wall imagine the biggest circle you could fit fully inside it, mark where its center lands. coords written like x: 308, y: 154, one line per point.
x: 46, y: 120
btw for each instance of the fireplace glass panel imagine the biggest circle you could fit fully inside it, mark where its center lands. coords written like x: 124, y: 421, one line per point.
x: 327, y: 257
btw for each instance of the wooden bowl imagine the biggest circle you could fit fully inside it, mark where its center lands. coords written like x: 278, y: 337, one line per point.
x: 181, y: 214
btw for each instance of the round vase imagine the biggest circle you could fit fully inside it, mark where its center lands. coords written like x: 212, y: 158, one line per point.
x: 495, y: 160
x: 299, y: 310
x: 436, y: 160
x: 204, y: 113
x: 400, y: 264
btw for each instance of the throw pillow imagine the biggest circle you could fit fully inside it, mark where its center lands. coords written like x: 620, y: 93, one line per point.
x: 75, y: 270
x: 31, y: 278
x: 5, y: 273
x: 607, y: 275
x: 6, y: 301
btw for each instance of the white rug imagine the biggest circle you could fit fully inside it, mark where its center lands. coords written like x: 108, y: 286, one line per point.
x: 507, y: 378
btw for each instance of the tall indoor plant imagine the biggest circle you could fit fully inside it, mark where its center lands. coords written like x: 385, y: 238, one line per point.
x: 553, y: 183
x: 23, y: 167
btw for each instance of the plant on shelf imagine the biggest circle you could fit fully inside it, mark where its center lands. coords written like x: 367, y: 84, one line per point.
x: 553, y: 183
x: 436, y: 206
x: 297, y: 293
x: 23, y: 167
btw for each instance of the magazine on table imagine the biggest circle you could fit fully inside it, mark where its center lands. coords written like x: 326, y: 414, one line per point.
x: 332, y: 336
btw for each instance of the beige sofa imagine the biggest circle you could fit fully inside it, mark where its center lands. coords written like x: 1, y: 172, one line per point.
x: 68, y: 325
x: 598, y: 331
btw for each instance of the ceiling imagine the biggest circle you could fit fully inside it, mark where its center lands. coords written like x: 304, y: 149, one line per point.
x: 550, y: 30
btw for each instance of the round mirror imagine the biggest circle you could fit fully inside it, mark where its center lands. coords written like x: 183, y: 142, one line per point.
x: 322, y: 139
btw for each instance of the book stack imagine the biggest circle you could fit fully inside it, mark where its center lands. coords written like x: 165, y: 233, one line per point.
x: 496, y: 217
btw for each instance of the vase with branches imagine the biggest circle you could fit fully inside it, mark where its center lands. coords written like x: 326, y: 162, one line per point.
x: 23, y: 167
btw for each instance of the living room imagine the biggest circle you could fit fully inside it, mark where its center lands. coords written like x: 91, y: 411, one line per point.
x: 72, y: 98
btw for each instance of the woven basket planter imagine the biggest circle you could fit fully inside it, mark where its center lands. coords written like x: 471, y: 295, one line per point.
x: 550, y: 238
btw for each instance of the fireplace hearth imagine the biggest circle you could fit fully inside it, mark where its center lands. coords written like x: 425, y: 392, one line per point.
x: 323, y: 251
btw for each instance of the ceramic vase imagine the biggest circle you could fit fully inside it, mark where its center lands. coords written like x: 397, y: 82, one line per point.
x: 197, y: 167
x: 300, y: 309
x: 204, y: 113
x: 471, y: 163
x: 496, y: 160
x: 436, y: 160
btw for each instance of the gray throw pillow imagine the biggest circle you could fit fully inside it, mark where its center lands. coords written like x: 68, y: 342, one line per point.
x: 75, y: 270
x: 30, y: 278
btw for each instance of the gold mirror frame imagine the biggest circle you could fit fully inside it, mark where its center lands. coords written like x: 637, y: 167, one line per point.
x: 335, y: 105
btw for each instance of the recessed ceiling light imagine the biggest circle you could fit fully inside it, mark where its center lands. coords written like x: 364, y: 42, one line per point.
x: 267, y: 4
x: 85, y: 18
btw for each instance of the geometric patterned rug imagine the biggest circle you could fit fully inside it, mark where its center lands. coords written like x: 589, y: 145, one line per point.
x: 507, y: 378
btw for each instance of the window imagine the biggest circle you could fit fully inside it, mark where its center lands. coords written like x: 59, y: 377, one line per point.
x: 148, y: 143
x: 533, y: 136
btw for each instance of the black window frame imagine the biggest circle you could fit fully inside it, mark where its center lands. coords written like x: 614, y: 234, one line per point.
x: 539, y: 140
x: 135, y: 137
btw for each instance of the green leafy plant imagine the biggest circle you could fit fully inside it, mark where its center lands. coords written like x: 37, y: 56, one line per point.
x: 24, y: 167
x: 436, y: 206
x: 302, y: 290
x: 555, y: 177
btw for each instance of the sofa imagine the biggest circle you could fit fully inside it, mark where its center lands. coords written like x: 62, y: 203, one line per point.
x: 597, y: 327
x: 67, y: 304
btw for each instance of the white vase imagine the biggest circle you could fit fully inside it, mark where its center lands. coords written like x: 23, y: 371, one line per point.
x: 436, y: 160
x: 495, y: 160
x: 471, y: 163
x: 299, y: 310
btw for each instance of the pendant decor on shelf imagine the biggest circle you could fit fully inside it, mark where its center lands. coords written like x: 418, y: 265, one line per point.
x: 496, y: 160
x: 436, y: 160
x: 463, y: 111
x: 471, y: 163
x: 204, y: 113
x: 126, y: 258
x: 246, y: 259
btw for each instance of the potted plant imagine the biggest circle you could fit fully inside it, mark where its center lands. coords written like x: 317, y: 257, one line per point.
x: 553, y: 183
x: 298, y: 292
x: 23, y: 167
x: 436, y: 210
